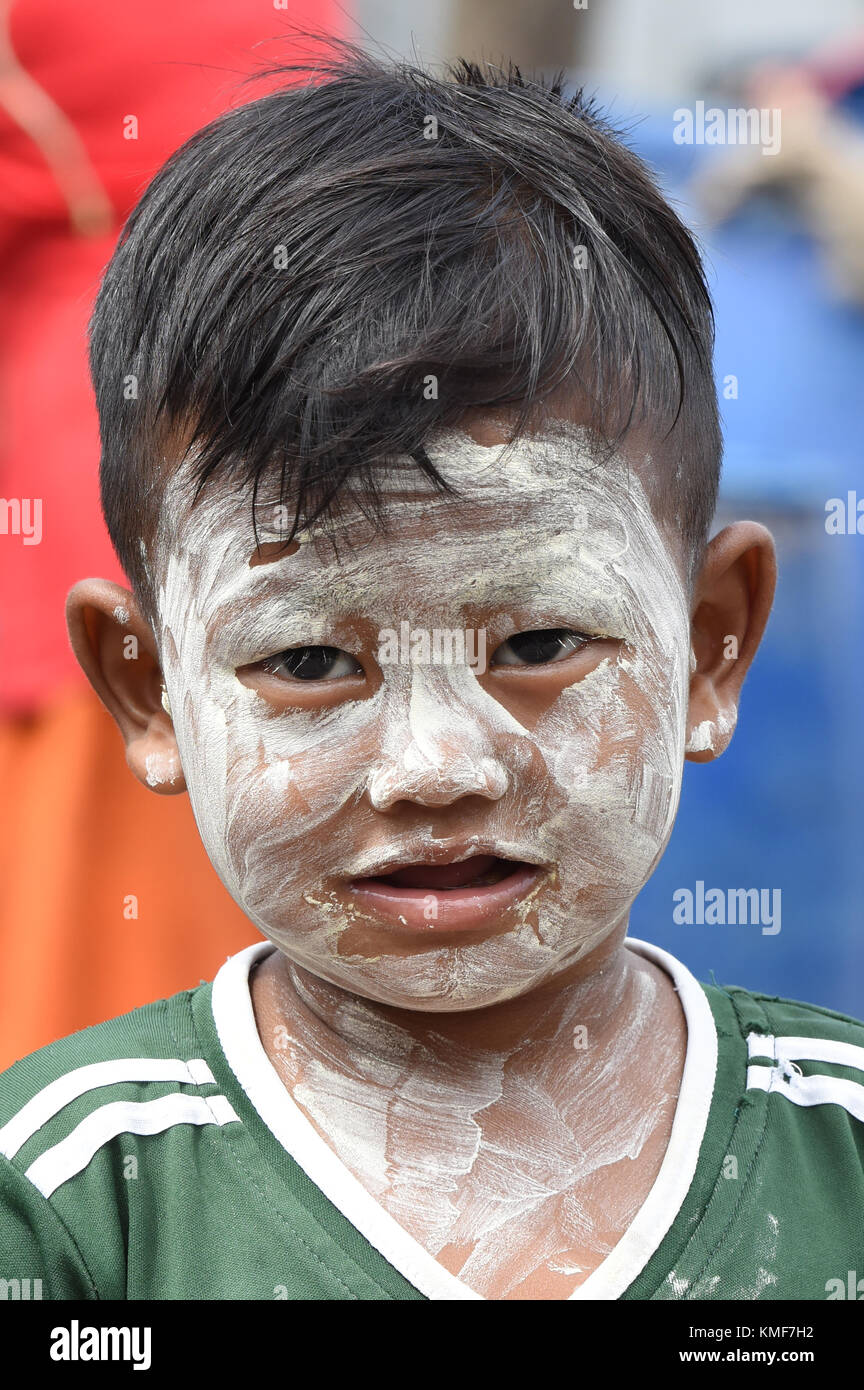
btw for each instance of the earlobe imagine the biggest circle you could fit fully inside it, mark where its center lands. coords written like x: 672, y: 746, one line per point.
x: 708, y: 739
x: 117, y: 651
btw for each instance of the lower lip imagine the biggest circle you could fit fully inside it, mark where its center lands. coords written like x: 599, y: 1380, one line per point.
x: 442, y: 910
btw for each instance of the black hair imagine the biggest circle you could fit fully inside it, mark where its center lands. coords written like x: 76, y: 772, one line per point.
x: 303, y: 269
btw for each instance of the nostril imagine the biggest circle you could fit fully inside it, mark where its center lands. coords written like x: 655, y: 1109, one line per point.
x: 429, y: 783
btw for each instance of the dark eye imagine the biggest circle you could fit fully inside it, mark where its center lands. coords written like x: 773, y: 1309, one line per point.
x: 312, y: 664
x: 539, y: 648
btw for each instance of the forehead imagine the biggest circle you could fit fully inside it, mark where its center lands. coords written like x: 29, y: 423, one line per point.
x: 555, y: 509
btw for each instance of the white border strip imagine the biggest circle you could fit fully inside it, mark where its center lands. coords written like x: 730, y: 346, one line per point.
x: 657, y: 1213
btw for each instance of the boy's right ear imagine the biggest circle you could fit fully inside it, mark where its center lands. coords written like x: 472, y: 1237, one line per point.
x: 117, y: 651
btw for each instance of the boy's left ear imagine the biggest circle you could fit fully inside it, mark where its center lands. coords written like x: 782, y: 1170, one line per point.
x: 732, y: 600
x: 117, y: 651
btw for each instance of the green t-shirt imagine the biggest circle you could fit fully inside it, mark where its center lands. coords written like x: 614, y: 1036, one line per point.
x: 159, y: 1156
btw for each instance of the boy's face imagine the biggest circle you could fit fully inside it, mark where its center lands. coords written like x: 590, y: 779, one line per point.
x: 562, y: 755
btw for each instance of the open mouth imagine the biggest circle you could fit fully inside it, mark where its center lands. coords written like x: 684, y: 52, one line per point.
x: 479, y: 871
x: 473, y: 893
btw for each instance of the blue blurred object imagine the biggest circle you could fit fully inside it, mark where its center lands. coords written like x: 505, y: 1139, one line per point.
x: 783, y: 807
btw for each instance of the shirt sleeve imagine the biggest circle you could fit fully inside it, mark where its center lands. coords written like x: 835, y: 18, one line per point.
x: 39, y: 1258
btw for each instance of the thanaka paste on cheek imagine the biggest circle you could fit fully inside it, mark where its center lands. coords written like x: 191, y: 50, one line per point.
x: 286, y: 799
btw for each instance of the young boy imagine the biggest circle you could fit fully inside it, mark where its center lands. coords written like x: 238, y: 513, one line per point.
x: 410, y: 452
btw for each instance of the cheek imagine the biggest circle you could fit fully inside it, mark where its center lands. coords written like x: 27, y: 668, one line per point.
x: 265, y: 784
x: 291, y: 778
x: 614, y: 749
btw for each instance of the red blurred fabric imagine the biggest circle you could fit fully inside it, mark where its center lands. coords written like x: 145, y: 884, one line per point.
x: 173, y: 66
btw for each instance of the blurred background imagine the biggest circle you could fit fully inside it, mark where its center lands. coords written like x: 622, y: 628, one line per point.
x: 105, y: 886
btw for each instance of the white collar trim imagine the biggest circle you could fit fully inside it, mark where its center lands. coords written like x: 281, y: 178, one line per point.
x: 238, y: 1035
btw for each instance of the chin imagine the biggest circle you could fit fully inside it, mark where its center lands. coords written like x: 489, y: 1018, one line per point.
x: 455, y: 980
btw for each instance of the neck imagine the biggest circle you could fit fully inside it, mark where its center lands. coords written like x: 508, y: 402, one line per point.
x: 578, y: 1014
x: 515, y: 1142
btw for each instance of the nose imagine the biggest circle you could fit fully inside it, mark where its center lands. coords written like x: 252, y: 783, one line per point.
x: 444, y: 739
x: 436, y: 781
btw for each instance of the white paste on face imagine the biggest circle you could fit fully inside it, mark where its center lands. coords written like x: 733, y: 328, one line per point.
x: 284, y: 800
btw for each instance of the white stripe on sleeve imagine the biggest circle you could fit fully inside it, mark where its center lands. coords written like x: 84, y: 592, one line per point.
x: 52, y: 1098
x: 809, y: 1090
x: 73, y: 1153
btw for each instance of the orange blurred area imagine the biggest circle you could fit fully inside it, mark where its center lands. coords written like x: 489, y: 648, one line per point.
x: 109, y: 900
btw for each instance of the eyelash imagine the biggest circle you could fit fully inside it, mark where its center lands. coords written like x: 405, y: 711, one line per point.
x: 571, y: 640
x: 274, y: 663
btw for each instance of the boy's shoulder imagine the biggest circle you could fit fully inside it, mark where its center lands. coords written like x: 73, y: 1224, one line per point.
x: 133, y: 1164
x: 772, y: 1015
x: 109, y: 1133
x: 805, y: 1054
x: 146, y: 1053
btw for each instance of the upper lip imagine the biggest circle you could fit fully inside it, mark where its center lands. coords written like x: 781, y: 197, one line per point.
x: 442, y: 852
